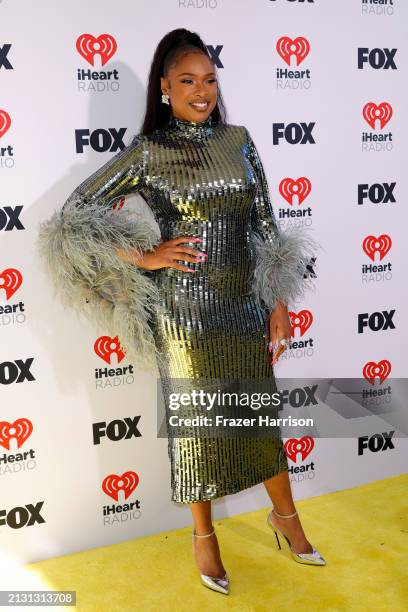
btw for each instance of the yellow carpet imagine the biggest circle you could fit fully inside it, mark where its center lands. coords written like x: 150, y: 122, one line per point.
x: 362, y: 533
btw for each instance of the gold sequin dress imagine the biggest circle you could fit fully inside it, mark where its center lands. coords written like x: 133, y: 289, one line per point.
x: 204, y: 180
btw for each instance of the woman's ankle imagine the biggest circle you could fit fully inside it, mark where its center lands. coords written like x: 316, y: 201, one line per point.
x: 203, y: 531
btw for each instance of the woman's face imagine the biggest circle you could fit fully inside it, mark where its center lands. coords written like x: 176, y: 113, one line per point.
x: 192, y: 87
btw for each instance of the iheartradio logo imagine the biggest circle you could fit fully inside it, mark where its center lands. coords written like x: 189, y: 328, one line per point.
x: 113, y: 483
x: 104, y: 45
x: 10, y: 281
x: 20, y: 430
x: 105, y: 347
x: 288, y: 47
x: 303, y: 445
x: 289, y: 188
x: 5, y: 122
x: 381, y: 245
x: 381, y: 113
x: 373, y: 370
x: 301, y: 320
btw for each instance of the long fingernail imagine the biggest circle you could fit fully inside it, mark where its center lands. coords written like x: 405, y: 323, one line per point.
x: 270, y: 346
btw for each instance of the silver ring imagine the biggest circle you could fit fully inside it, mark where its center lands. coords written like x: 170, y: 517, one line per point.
x: 284, y: 341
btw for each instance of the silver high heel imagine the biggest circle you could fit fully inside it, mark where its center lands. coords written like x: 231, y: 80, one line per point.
x: 216, y: 584
x: 313, y: 558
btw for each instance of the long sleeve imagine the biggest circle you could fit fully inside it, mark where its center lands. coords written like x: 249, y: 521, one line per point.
x: 79, y: 247
x: 281, y: 257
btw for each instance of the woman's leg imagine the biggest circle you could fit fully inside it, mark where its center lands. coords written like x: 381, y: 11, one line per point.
x: 206, y: 550
x: 280, y: 492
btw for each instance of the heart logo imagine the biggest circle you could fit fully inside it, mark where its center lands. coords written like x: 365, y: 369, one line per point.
x: 119, y: 203
x: 288, y: 188
x: 299, y: 47
x: 10, y: 281
x: 104, y: 45
x: 372, y: 113
x: 301, y: 320
x: 303, y: 445
x: 105, y: 347
x: 372, y: 245
x: 373, y: 370
x: 5, y: 122
x: 113, y: 483
x: 21, y: 429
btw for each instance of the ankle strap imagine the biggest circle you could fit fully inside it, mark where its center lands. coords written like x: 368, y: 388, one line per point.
x: 284, y: 515
x: 205, y: 535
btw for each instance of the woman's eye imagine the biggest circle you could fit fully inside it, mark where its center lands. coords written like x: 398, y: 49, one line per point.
x: 191, y: 80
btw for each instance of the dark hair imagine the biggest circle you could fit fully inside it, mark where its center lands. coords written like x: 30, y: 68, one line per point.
x: 171, y: 46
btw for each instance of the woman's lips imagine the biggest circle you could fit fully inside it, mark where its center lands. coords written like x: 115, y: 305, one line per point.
x: 200, y: 106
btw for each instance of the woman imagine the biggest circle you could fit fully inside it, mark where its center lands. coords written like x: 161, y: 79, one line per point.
x: 202, y: 298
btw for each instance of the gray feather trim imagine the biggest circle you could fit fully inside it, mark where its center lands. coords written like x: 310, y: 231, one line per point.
x: 280, y: 267
x: 78, y: 246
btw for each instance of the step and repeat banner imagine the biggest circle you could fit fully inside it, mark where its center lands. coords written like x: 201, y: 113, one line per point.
x: 321, y: 86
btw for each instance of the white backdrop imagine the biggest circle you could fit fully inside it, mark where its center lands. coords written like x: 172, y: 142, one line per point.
x: 52, y: 496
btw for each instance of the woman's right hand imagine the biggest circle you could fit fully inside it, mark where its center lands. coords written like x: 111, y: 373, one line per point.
x: 166, y: 254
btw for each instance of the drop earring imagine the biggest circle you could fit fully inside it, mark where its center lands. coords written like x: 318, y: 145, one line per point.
x: 165, y: 99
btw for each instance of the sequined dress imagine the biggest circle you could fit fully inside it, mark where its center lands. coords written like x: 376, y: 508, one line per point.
x: 204, y: 180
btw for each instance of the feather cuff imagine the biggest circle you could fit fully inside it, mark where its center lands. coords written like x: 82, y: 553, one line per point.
x: 78, y: 246
x: 280, y: 267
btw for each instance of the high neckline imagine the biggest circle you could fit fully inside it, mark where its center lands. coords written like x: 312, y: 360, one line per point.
x: 191, y: 129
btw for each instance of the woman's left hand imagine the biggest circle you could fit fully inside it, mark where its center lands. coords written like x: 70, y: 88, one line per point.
x: 279, y: 327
